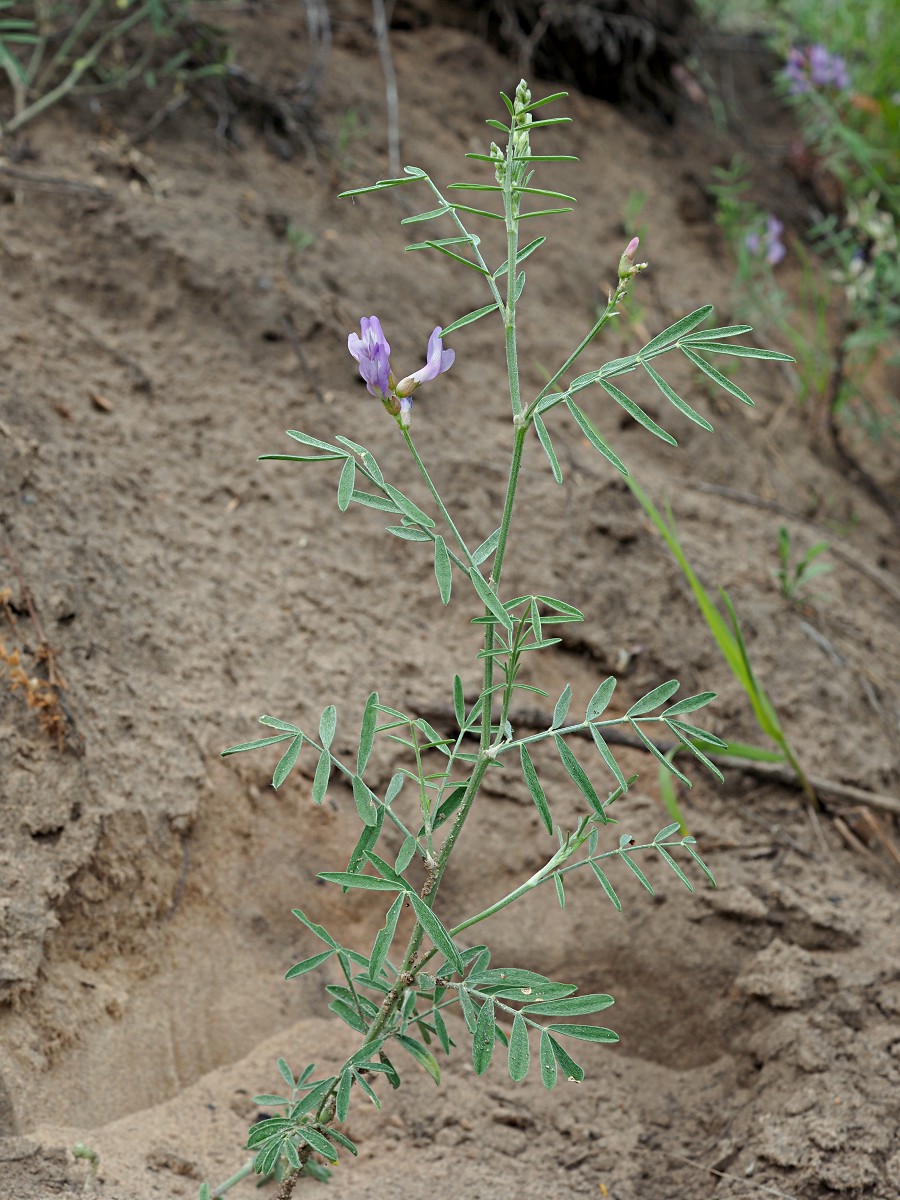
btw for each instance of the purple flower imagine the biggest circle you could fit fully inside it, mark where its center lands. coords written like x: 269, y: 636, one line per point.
x: 438, y: 360
x: 815, y: 68
x: 768, y: 241
x: 372, y: 352
x: 795, y: 72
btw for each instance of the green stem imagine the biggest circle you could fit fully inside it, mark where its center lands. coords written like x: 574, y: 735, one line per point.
x: 245, y: 1170
x: 423, y: 470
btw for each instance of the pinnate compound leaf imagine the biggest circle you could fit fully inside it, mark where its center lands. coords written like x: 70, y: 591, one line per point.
x: 548, y: 1061
x: 309, y: 964
x: 483, y: 1037
x: 587, y: 428
x: 443, y: 572
x: 599, y: 702
x: 653, y: 699
x: 519, y: 1055
x: 535, y: 789
x: 606, y: 885
x: 421, y: 1054
x: 287, y: 760
x: 563, y: 704
x: 569, y: 1067
x: 322, y: 775
x: 367, y: 732
x: 436, y: 931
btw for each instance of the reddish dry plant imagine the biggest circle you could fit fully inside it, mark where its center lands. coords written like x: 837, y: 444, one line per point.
x: 41, y: 695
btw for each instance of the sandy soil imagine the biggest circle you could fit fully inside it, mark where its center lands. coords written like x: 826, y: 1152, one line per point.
x: 147, y: 884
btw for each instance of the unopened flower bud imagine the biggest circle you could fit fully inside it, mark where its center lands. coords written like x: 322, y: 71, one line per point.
x: 627, y: 265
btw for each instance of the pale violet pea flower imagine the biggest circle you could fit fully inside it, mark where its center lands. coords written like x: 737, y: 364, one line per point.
x: 438, y: 360
x: 370, y: 349
x: 373, y: 354
x: 769, y: 242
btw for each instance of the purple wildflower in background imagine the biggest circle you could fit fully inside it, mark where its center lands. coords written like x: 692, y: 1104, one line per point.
x: 816, y: 67
x: 768, y: 242
x: 373, y: 354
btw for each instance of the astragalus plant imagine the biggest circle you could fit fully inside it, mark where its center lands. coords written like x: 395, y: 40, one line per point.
x: 396, y: 994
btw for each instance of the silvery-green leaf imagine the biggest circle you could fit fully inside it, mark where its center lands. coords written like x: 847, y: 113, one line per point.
x: 519, y: 1056
x: 443, y: 571
x: 606, y: 885
x: 561, y: 710
x: 674, y: 332
x: 599, y: 702
x: 286, y: 762
x: 346, y: 484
